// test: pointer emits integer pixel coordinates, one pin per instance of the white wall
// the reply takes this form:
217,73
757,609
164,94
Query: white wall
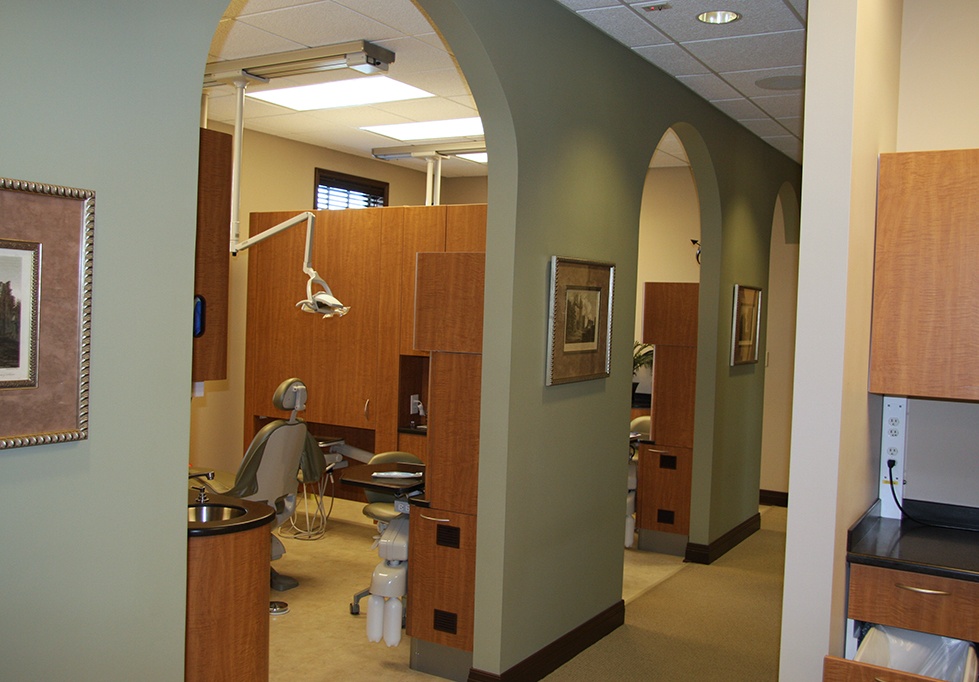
850,113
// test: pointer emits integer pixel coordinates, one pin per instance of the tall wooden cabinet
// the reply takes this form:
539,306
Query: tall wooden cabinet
211,257
666,463
359,369
449,325
925,328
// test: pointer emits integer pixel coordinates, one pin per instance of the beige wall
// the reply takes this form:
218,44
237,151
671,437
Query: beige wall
277,175
780,297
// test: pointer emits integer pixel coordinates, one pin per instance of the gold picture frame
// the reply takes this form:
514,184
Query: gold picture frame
579,330
47,236
745,325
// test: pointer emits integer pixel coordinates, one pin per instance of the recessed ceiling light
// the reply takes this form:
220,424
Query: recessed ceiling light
430,130
346,93
721,16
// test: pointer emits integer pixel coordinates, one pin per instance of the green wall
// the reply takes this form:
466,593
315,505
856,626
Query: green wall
105,96
571,122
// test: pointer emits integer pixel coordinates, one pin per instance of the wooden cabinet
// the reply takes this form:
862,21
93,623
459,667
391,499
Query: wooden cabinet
663,493
210,361
914,601
442,556
354,366
904,599
925,328
665,469
448,325
336,357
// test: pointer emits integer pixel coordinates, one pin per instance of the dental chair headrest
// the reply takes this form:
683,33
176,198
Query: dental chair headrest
290,395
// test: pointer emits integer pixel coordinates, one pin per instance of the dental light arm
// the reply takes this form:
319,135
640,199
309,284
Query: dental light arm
322,302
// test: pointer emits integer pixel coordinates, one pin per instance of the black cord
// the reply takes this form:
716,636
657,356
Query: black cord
890,472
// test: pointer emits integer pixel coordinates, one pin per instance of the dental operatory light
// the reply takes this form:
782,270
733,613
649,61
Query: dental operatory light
319,298
345,93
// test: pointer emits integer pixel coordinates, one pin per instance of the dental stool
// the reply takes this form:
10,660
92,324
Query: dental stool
389,584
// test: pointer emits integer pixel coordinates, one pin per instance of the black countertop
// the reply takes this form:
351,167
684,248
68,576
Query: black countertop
910,546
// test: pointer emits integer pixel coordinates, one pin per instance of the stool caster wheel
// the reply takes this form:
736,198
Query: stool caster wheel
354,609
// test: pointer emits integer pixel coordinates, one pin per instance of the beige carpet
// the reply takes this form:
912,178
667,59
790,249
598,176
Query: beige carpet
717,622
319,640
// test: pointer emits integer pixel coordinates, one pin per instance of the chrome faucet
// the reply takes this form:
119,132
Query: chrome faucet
201,490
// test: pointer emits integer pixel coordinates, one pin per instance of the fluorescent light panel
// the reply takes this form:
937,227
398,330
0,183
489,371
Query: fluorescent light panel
431,130
479,157
346,93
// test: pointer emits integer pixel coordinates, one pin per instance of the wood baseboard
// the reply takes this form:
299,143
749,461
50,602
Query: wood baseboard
773,498
545,661
707,554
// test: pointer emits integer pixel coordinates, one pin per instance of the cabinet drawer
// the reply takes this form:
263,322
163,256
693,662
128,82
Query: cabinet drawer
915,601
841,670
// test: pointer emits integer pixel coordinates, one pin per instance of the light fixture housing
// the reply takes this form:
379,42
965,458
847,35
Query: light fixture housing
359,55
721,16
442,148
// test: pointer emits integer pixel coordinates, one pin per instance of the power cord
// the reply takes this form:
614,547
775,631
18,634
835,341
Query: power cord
891,463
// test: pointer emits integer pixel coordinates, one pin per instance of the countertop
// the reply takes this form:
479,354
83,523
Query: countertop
910,546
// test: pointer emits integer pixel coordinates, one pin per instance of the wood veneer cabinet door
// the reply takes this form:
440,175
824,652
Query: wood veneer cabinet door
674,395
336,357
442,577
925,328
449,302
663,493
465,227
670,313
211,255
424,231
453,431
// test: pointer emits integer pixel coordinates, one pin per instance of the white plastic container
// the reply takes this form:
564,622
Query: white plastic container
942,658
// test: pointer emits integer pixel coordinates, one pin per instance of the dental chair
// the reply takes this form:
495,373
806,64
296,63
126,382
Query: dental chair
389,583
269,470
643,427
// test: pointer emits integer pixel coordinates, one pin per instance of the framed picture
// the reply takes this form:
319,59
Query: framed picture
46,242
579,328
745,325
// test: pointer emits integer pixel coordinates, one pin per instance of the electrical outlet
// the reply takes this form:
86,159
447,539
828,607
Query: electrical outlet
893,439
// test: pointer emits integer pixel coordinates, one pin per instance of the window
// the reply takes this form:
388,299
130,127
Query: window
338,190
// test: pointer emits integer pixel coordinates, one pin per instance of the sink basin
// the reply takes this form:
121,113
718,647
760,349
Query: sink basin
206,513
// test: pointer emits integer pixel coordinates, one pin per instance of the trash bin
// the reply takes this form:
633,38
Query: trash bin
942,658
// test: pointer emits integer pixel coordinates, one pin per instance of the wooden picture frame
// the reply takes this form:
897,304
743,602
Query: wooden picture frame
579,330
745,325
46,245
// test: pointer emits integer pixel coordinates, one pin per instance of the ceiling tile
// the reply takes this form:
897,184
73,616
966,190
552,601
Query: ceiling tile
781,105
322,23
680,23
745,81
412,55
672,58
403,17
764,126
709,86
625,26
790,146
739,108
236,40
793,124
770,50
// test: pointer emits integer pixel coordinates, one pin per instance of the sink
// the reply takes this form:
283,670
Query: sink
206,513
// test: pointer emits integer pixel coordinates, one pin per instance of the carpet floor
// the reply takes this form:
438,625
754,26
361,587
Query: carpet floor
683,621
716,622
